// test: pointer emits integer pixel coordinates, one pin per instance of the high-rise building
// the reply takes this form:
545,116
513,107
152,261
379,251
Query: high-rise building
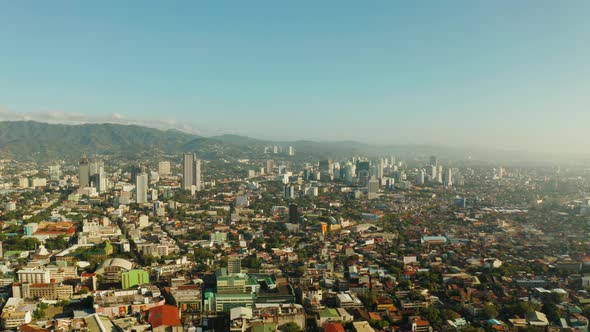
380,168
289,192
432,172
326,168
164,168
191,172
54,172
420,178
101,180
270,166
95,164
336,171
141,188
372,188
439,174
84,173
448,178
349,171
291,151
294,213
96,176
234,265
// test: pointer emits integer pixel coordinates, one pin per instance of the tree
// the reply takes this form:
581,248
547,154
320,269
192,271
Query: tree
490,311
289,327
251,262
432,315
449,314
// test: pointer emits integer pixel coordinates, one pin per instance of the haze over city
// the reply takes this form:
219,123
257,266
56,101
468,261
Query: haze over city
462,73
294,166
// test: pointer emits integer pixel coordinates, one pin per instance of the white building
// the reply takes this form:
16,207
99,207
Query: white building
141,188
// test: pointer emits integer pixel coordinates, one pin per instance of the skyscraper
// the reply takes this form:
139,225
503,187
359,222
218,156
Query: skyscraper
420,178
54,172
96,174
448,178
380,167
141,188
289,192
326,168
270,166
294,214
191,172
84,173
372,188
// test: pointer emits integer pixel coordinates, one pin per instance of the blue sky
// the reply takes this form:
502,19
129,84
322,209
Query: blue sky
507,74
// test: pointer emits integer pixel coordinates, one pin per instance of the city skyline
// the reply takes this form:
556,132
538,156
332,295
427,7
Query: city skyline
467,74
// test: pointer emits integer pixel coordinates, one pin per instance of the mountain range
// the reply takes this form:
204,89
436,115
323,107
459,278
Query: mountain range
30,140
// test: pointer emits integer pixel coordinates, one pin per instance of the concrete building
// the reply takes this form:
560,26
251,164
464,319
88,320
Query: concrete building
191,172
164,168
134,278
84,173
34,276
141,188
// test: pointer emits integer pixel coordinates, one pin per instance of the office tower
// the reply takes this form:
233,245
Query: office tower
372,188
448,178
433,161
326,168
390,184
363,166
141,188
307,174
275,149
432,172
101,180
84,173
439,174
92,174
54,173
349,172
95,164
234,265
191,172
380,167
270,166
336,171
420,178
294,217
289,192
164,168
291,151
364,176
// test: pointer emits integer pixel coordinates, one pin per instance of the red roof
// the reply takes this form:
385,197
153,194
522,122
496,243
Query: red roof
164,315
333,327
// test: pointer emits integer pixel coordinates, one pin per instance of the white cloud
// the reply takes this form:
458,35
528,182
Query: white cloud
71,118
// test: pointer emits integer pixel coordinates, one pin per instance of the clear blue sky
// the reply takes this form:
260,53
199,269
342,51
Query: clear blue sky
509,74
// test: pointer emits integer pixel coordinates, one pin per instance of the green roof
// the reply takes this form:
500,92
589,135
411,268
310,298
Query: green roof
329,312
243,296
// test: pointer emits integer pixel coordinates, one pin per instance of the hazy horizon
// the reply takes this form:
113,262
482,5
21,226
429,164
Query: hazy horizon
507,76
